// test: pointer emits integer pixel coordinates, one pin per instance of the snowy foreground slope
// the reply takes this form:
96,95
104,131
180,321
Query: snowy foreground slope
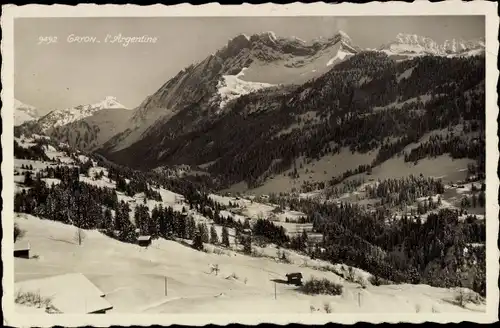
133,278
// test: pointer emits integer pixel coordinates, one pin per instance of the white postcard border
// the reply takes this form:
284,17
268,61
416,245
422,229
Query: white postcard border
489,9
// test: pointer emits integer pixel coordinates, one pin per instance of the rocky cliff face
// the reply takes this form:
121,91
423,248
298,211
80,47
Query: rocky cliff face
245,64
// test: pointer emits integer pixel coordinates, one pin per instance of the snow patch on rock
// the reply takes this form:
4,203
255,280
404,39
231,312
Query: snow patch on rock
232,87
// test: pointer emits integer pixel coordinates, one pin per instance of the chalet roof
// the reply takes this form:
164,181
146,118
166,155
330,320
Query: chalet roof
22,245
69,293
144,238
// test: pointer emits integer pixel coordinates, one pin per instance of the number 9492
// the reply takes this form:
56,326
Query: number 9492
47,39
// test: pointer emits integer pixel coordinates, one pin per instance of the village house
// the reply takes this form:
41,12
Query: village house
22,249
294,278
144,241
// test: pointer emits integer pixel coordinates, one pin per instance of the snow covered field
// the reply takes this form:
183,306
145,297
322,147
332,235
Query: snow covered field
133,278
256,210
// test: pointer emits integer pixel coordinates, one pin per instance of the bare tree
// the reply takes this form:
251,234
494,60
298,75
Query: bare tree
327,307
215,268
79,236
18,233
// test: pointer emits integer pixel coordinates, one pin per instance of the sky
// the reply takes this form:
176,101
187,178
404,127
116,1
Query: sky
64,74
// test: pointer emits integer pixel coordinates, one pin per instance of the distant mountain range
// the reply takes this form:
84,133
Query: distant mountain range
82,126
414,45
65,116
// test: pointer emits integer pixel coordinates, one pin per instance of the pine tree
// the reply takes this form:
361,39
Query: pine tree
304,240
225,237
197,241
214,238
205,237
190,228
465,203
237,235
481,199
108,220
154,223
28,180
247,245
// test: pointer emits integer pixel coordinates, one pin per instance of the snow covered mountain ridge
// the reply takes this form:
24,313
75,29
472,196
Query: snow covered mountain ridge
24,113
65,116
421,45
246,64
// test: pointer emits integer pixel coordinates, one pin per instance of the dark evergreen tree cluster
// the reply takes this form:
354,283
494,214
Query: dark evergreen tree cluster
456,146
404,191
270,231
403,250
35,152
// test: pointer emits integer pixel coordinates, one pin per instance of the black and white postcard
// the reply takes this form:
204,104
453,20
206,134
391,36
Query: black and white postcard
303,163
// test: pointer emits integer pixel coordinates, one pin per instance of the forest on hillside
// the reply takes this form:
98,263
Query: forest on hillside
360,104
414,249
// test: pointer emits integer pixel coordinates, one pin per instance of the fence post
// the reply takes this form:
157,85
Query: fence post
274,290
166,287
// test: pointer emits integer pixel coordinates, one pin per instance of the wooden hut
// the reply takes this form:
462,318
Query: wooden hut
144,241
22,249
294,278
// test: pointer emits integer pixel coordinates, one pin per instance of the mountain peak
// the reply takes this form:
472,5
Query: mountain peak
343,34
24,112
270,35
20,104
68,115
109,102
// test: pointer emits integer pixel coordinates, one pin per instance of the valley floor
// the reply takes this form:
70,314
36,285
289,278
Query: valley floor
133,278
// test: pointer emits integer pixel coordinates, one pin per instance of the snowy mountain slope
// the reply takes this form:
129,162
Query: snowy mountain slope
65,116
133,278
232,86
266,60
92,131
24,113
240,281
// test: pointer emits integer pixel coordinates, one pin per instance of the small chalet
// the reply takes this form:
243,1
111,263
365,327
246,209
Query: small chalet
69,293
294,278
22,249
247,232
144,241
